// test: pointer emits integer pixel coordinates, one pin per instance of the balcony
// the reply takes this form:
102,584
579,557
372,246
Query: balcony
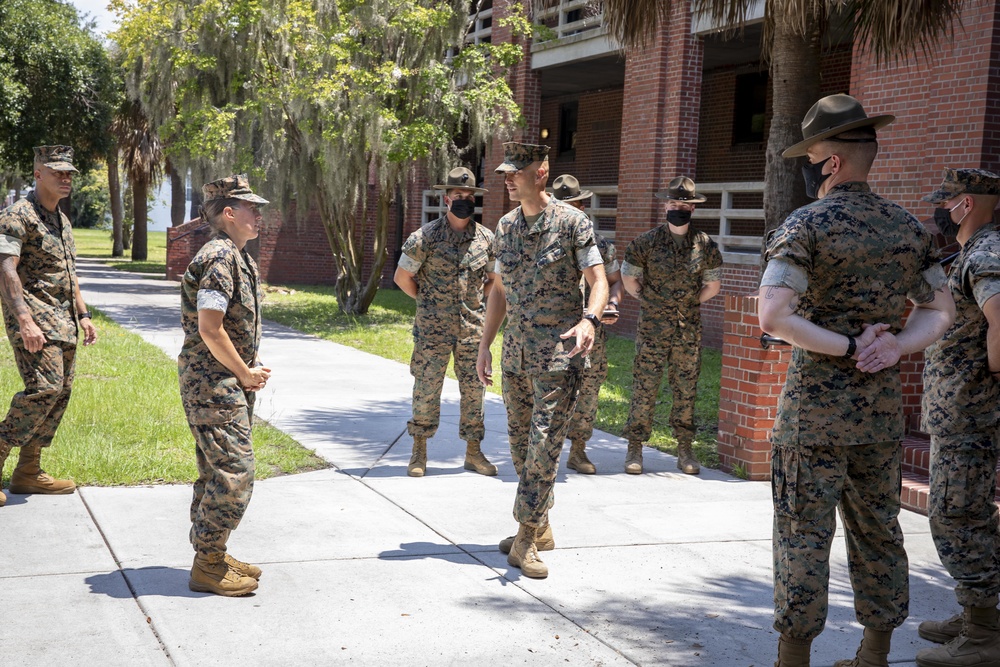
573,31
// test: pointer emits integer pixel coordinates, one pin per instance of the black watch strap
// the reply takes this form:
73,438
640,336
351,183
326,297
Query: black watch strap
593,319
852,346
84,316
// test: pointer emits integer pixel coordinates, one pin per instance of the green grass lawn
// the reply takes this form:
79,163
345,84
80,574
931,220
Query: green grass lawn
98,243
125,424
386,331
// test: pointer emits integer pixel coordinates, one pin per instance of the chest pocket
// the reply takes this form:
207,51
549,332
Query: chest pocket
475,261
551,255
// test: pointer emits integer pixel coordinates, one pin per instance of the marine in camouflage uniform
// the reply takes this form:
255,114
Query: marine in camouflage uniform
674,269
960,409
448,267
566,188
835,441
541,256
42,308
217,390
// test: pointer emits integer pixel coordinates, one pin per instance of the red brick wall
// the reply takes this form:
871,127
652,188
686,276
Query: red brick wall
598,139
660,131
946,109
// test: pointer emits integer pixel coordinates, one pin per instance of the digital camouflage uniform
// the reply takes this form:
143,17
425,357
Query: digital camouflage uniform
581,426
541,266
450,270
669,330
835,441
219,410
960,409
47,268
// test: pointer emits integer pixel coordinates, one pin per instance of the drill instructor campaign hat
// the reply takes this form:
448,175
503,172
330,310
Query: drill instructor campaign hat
462,178
567,188
831,116
682,189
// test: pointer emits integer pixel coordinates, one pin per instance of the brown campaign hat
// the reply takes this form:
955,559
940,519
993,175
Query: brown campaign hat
831,116
682,189
59,158
232,187
964,182
517,156
567,188
460,177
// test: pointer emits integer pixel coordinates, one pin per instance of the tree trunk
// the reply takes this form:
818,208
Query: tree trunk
195,203
141,213
177,196
795,76
117,213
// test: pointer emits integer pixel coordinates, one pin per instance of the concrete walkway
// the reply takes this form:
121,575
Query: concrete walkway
364,565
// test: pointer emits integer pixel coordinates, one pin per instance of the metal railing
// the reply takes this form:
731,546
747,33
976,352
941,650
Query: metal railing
570,17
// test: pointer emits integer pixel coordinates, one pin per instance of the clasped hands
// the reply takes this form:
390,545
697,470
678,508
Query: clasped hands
878,348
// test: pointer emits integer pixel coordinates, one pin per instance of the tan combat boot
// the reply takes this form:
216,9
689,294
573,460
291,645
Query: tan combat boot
686,462
418,460
941,632
633,459
543,540
978,645
524,555
793,652
476,461
211,574
241,568
873,652
28,476
578,460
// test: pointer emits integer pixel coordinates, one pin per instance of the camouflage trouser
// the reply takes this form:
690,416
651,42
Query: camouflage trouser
807,484
682,355
428,367
963,516
582,425
225,472
539,408
35,413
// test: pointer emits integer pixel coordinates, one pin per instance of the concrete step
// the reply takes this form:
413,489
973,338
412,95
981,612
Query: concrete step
916,467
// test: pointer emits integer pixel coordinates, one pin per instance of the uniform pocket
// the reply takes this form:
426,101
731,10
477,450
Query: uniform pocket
551,256
212,414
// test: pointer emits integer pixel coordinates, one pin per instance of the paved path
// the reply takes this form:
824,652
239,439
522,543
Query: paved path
364,565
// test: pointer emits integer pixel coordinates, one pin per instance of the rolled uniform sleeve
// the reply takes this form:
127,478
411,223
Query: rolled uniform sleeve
713,264
635,259
210,299
11,233
789,257
631,270
984,277
932,276
217,278
413,253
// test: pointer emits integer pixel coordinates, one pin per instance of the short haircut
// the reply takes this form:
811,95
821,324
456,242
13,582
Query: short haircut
857,147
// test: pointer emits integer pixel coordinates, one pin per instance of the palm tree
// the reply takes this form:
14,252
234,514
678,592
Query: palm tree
793,34
142,160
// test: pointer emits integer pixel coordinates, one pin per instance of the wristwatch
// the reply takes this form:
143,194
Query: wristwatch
83,316
593,319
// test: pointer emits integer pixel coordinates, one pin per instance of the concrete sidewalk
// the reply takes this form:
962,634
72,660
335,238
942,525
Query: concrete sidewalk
367,566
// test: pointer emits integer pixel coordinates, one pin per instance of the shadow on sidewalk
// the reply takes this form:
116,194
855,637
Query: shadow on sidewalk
145,582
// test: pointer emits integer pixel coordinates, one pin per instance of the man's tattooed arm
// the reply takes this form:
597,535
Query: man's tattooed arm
11,290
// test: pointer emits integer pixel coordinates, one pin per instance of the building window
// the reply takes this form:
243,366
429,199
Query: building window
568,114
749,108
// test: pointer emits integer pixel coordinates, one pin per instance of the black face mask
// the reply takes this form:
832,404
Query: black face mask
814,177
942,218
678,217
463,208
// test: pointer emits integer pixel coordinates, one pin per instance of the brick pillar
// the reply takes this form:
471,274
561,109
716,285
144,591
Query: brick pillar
660,116
526,85
752,378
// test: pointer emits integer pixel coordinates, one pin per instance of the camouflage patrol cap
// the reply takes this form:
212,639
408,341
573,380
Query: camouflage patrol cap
682,189
232,187
964,182
517,156
462,178
58,158
567,188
